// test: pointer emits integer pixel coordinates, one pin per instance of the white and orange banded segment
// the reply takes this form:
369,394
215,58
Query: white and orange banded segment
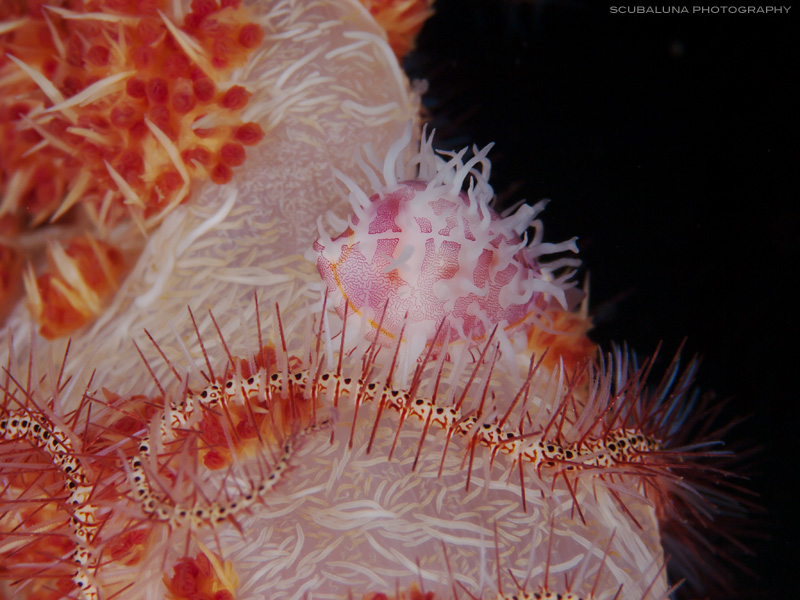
36,428
616,446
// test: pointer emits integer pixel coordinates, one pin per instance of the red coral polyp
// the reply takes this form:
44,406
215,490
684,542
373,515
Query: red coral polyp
197,579
58,155
83,275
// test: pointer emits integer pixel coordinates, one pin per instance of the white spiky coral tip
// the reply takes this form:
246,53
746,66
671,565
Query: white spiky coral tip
422,251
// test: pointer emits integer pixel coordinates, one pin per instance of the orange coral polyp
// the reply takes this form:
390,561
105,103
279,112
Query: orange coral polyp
57,317
128,547
198,577
566,340
242,425
142,92
10,274
60,303
401,19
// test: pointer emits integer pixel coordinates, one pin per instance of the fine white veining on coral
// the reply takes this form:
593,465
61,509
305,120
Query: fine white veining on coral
319,96
343,520
358,507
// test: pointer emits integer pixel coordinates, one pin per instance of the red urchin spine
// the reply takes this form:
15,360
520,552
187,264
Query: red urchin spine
624,430
625,433
149,475
32,425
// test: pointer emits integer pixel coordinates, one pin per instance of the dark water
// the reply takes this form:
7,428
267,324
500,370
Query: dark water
669,145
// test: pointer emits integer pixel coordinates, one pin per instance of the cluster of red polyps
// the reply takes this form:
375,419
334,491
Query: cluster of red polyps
111,109
198,579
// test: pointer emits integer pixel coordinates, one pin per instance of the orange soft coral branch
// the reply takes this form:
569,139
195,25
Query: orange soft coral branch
104,113
83,276
401,19
117,99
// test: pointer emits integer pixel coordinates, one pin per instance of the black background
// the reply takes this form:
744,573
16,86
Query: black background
667,144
